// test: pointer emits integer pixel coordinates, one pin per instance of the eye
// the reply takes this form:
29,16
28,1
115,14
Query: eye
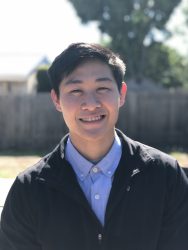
76,91
103,89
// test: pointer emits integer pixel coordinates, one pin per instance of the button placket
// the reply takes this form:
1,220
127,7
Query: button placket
99,236
94,173
95,170
97,196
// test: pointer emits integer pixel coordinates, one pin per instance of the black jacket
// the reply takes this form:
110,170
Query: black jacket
147,208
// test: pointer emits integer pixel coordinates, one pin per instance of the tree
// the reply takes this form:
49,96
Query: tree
166,66
43,82
185,11
133,27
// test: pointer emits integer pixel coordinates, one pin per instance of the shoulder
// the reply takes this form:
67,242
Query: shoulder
26,186
144,152
162,163
44,167
157,156
32,172
152,159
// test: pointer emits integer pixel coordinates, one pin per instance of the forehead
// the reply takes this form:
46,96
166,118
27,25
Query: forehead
91,67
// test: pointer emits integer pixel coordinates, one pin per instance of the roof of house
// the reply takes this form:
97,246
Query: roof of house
18,67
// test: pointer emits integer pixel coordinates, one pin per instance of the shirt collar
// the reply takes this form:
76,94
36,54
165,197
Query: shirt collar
82,166
110,161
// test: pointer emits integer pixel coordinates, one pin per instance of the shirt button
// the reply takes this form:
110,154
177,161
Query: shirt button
95,169
99,237
97,196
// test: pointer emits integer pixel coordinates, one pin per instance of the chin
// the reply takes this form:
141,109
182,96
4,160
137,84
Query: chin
95,135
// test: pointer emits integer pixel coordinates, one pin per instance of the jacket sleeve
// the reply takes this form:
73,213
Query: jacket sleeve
17,225
174,230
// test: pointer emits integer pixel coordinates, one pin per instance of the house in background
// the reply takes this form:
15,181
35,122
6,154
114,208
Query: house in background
18,73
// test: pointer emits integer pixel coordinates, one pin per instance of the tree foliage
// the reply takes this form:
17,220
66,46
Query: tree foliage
43,82
132,26
166,66
185,12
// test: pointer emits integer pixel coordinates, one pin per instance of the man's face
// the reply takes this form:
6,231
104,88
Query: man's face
89,101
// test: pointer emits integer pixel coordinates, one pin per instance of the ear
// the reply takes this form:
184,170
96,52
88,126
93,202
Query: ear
123,92
56,100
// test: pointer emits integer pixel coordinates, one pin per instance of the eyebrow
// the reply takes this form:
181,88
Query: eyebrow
71,81
77,81
104,79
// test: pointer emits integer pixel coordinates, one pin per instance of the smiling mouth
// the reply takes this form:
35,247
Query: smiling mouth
92,119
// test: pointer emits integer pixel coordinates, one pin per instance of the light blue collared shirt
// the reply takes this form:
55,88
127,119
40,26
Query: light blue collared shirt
95,179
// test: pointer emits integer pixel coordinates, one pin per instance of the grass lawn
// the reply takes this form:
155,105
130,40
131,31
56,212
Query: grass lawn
12,164
182,158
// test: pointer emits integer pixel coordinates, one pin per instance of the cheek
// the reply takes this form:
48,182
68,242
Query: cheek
69,103
69,108
112,102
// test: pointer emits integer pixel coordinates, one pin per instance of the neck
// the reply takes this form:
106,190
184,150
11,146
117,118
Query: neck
93,150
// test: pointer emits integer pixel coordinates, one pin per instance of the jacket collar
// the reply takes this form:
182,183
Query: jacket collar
134,149
56,172
54,167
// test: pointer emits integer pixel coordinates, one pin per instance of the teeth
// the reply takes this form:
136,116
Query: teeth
92,119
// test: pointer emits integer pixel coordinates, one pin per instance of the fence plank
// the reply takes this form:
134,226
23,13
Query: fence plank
31,122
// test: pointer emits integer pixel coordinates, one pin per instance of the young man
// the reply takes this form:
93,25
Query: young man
98,189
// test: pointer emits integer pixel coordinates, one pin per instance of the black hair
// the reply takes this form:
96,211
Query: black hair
76,54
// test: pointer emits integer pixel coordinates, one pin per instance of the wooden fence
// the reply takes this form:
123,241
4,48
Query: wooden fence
31,122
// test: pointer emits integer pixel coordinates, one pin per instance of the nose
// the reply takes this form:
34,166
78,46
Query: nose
90,102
